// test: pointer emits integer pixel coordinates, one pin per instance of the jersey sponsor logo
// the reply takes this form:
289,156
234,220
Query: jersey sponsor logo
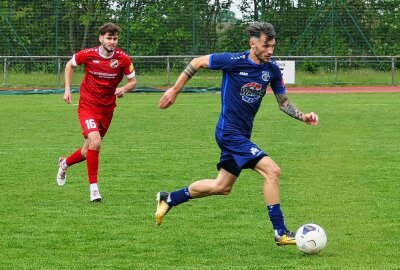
104,75
96,61
114,63
252,92
265,76
243,73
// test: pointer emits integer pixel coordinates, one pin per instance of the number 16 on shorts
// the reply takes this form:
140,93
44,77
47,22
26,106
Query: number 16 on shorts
90,124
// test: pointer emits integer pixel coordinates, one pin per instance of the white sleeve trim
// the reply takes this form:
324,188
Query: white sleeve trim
132,75
74,61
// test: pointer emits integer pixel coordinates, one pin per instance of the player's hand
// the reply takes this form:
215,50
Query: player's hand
119,92
67,96
168,98
311,119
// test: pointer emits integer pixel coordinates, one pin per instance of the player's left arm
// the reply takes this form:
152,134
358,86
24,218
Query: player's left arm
131,84
290,109
130,73
171,93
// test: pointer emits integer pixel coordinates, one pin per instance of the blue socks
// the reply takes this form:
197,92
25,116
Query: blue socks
179,196
274,211
276,217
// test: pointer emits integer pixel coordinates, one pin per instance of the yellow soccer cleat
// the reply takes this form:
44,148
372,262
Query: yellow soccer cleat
287,238
162,206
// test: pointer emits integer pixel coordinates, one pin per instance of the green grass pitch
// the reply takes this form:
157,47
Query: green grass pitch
343,175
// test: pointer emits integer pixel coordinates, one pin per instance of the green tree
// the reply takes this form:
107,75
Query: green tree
172,27
83,19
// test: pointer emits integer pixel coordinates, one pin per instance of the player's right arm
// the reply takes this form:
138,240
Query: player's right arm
170,95
68,74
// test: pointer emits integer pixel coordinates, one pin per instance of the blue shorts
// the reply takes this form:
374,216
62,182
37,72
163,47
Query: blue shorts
237,153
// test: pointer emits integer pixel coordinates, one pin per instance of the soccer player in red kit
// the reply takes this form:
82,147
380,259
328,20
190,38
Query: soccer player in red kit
105,67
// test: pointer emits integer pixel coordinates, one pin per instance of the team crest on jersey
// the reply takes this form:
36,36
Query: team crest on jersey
114,63
252,92
265,76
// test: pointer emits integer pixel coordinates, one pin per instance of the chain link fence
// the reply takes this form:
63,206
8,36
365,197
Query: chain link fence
161,71
329,38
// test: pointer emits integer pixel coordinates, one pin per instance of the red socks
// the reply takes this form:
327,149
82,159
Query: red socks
76,157
92,162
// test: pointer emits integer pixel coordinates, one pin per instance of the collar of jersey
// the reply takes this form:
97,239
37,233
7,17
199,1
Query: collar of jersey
105,56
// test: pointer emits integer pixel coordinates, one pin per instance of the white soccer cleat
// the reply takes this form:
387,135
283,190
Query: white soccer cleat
95,196
62,173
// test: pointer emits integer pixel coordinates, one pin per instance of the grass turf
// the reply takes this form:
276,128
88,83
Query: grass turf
342,175
204,78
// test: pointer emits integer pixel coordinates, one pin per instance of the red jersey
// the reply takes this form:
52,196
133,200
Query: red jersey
102,76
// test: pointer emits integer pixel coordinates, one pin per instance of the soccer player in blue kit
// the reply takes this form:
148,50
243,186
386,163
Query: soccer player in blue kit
246,76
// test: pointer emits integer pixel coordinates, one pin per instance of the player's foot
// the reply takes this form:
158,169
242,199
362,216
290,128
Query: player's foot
162,206
286,238
62,173
95,196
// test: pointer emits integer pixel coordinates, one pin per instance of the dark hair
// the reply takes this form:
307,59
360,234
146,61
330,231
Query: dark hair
256,29
111,28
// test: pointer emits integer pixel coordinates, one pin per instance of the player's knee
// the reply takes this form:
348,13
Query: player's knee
223,190
276,171
272,177
226,191
95,143
273,171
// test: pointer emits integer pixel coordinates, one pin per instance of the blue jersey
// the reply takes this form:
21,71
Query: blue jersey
244,84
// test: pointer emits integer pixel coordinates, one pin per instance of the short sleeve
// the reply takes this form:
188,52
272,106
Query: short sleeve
129,69
277,84
79,58
221,61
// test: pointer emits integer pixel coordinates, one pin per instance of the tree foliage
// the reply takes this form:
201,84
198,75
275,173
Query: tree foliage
183,27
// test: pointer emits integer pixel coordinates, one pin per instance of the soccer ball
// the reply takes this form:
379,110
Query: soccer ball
311,238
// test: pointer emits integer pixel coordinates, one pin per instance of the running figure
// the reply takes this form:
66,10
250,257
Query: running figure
105,67
246,76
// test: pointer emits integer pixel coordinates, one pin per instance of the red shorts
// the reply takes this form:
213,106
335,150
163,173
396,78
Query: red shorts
91,120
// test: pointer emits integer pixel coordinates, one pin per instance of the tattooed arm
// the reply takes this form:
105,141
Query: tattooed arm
290,109
170,95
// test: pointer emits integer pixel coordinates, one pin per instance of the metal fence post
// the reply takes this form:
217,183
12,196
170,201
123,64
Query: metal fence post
5,71
392,70
168,71
336,70
59,71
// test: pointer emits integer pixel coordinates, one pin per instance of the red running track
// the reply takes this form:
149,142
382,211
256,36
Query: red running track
344,89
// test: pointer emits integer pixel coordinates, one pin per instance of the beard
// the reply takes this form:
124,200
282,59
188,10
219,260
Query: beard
260,57
107,50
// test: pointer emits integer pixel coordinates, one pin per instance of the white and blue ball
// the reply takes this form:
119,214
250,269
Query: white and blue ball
311,238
